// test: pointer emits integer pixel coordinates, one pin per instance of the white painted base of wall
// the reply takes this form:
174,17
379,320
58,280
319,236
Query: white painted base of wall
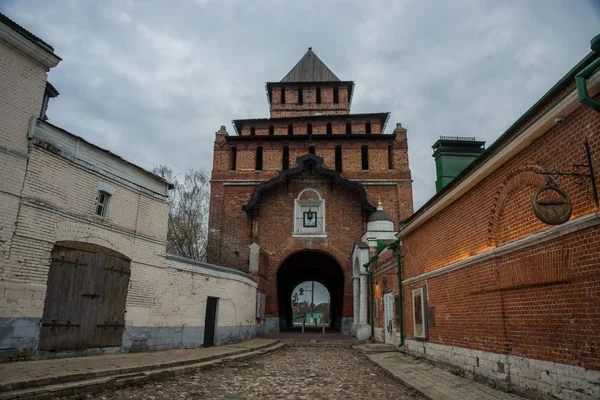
363,331
525,376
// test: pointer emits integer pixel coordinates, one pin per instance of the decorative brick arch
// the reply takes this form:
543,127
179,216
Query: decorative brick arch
75,231
516,179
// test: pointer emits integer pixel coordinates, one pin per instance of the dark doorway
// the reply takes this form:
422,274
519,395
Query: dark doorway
85,298
210,321
309,266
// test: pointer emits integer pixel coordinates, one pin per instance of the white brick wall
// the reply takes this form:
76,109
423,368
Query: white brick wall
48,191
176,296
22,85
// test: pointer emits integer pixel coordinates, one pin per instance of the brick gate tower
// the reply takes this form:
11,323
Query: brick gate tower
293,196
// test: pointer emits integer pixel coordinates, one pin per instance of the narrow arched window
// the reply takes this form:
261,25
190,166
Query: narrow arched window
318,95
233,158
290,129
282,95
309,129
336,95
300,96
311,149
390,157
368,128
329,128
338,158
259,159
348,128
364,155
252,131
285,159
271,130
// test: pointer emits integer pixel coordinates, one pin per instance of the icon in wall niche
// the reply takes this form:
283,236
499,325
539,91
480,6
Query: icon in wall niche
551,208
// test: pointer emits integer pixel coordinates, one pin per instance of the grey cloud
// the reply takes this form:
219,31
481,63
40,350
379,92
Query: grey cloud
152,81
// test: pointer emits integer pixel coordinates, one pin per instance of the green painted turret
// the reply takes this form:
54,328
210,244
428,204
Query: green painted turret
452,155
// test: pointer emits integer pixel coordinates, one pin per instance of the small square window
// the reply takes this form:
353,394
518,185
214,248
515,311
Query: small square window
310,219
102,204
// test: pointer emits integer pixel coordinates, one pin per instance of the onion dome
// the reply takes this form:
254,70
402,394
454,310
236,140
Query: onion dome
380,220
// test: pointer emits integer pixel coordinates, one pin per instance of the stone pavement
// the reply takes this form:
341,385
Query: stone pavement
25,374
434,382
292,373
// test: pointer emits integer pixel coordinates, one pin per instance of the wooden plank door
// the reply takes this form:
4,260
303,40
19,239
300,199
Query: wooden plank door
210,321
63,322
110,320
85,300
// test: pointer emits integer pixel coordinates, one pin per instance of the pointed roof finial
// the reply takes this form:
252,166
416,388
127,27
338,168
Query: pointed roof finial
379,205
310,49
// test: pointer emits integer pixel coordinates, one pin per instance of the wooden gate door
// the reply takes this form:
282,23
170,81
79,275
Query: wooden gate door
210,321
85,299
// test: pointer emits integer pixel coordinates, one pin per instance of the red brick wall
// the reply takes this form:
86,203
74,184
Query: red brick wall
538,302
319,126
229,226
291,108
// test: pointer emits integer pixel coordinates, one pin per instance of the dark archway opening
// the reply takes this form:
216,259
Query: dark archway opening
309,266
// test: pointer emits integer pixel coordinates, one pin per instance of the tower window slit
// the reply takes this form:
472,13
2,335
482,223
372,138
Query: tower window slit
390,157
309,129
318,95
290,129
285,159
233,158
311,150
368,128
259,158
336,95
329,129
271,130
364,155
348,128
338,158
300,96
282,95
252,131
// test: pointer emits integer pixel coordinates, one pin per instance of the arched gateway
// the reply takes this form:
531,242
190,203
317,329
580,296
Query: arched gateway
292,195
309,266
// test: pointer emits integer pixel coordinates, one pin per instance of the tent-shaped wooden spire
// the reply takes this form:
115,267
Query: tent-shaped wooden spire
310,68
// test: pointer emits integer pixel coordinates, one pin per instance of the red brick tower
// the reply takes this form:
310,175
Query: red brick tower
291,194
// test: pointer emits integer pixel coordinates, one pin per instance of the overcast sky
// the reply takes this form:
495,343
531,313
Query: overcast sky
154,80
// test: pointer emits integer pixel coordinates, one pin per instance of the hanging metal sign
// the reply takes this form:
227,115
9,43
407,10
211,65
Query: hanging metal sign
552,211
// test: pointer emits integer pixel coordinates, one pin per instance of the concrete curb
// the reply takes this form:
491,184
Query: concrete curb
125,377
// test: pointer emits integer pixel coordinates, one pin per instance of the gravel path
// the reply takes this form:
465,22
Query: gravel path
290,373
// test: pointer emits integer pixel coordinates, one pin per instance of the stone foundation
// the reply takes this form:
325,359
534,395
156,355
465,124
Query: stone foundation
525,376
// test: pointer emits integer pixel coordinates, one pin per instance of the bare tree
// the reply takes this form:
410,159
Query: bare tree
188,216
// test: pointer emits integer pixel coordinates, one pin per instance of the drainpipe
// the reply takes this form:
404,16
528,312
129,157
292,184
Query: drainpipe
586,73
398,255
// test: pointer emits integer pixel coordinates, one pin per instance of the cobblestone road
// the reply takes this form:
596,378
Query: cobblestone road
290,373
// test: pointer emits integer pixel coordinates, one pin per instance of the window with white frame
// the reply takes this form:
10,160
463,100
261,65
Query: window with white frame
102,204
309,214
419,303
105,192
